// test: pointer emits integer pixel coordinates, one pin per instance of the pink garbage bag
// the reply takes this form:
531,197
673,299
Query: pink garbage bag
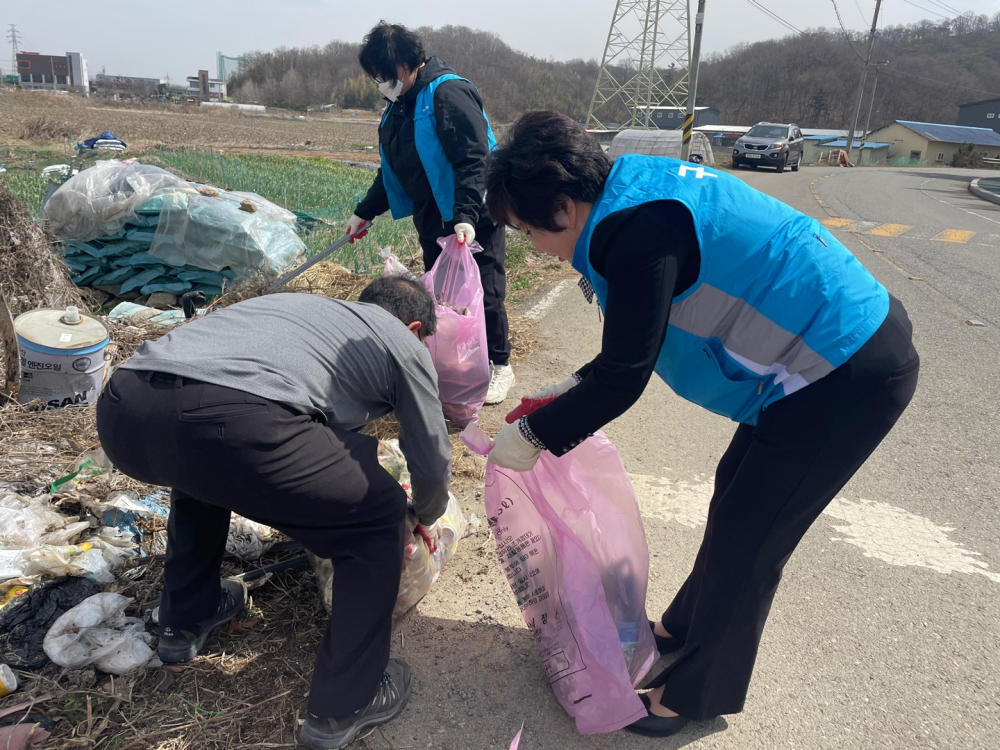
573,548
458,347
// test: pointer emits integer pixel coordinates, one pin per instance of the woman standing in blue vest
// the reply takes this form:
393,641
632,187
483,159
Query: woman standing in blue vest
742,305
434,141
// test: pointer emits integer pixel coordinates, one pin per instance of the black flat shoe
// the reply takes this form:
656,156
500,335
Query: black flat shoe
665,644
656,726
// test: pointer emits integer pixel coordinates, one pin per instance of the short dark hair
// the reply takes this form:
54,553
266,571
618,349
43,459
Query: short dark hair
545,159
388,46
404,298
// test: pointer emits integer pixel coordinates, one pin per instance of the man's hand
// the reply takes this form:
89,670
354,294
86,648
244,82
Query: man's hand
465,233
431,536
511,450
354,224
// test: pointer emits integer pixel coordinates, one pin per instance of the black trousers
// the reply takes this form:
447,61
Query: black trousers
772,483
223,450
494,277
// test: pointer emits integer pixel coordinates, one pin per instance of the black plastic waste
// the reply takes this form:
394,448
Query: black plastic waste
25,621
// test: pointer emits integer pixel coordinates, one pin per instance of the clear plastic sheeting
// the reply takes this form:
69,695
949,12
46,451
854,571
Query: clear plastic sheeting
215,229
99,201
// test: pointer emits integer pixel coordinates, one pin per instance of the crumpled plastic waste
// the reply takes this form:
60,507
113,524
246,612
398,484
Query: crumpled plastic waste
421,567
393,267
247,539
25,620
31,521
97,631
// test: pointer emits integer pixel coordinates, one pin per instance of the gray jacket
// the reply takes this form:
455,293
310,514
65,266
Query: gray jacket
347,361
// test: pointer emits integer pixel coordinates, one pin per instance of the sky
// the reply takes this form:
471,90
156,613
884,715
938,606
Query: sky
153,39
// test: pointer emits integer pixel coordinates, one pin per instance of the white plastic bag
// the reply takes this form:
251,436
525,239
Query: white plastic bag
31,521
248,540
96,631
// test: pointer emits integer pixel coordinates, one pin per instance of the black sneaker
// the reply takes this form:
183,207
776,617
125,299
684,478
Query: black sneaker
390,697
179,647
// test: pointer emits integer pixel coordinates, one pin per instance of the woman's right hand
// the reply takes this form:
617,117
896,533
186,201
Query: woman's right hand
354,224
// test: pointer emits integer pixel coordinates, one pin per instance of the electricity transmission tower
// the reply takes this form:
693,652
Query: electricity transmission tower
15,39
646,63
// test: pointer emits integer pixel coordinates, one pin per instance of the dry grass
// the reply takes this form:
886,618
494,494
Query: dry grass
44,128
30,274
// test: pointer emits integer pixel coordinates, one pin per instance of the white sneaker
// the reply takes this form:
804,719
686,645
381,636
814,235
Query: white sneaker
501,380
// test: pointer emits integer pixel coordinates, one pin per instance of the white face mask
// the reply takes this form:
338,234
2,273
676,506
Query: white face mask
391,89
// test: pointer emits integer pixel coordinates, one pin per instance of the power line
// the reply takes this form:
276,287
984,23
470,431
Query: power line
847,34
927,10
861,13
774,16
947,7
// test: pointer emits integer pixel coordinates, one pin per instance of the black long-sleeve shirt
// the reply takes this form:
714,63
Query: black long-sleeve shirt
462,130
649,254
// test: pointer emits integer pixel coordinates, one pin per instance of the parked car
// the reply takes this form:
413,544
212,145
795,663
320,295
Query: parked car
770,144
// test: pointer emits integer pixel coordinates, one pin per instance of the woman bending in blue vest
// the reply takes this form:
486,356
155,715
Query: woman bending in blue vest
742,305
434,141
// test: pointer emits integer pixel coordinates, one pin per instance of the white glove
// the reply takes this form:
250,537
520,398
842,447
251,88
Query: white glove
512,451
353,225
465,233
556,389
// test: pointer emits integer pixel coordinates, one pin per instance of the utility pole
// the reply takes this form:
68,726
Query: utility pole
868,122
15,39
864,78
699,22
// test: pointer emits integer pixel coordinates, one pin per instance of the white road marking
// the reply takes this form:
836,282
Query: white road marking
882,531
899,537
667,499
953,205
545,303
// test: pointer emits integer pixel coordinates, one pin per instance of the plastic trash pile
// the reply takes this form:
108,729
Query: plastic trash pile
134,230
421,564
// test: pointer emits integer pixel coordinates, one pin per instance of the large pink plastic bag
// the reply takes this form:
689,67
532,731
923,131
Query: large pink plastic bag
458,347
573,548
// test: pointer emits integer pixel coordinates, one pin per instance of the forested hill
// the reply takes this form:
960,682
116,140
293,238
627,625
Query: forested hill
811,79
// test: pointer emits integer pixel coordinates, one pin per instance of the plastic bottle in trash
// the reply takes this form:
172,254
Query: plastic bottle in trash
8,680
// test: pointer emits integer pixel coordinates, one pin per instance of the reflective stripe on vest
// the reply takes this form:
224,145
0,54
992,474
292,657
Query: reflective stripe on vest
439,171
778,303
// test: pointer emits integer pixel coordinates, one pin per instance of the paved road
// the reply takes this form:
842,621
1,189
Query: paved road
884,633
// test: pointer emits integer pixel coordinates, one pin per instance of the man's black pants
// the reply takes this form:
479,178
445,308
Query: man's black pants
493,274
223,450
772,483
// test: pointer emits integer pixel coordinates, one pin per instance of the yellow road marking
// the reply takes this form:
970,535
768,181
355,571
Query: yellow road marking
890,230
955,235
835,223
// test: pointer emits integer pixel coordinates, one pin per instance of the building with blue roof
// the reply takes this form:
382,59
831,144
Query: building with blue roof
934,144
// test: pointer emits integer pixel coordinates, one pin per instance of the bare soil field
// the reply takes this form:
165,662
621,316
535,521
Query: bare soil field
35,118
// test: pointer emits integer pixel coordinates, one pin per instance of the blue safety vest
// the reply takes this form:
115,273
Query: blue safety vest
436,165
778,303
